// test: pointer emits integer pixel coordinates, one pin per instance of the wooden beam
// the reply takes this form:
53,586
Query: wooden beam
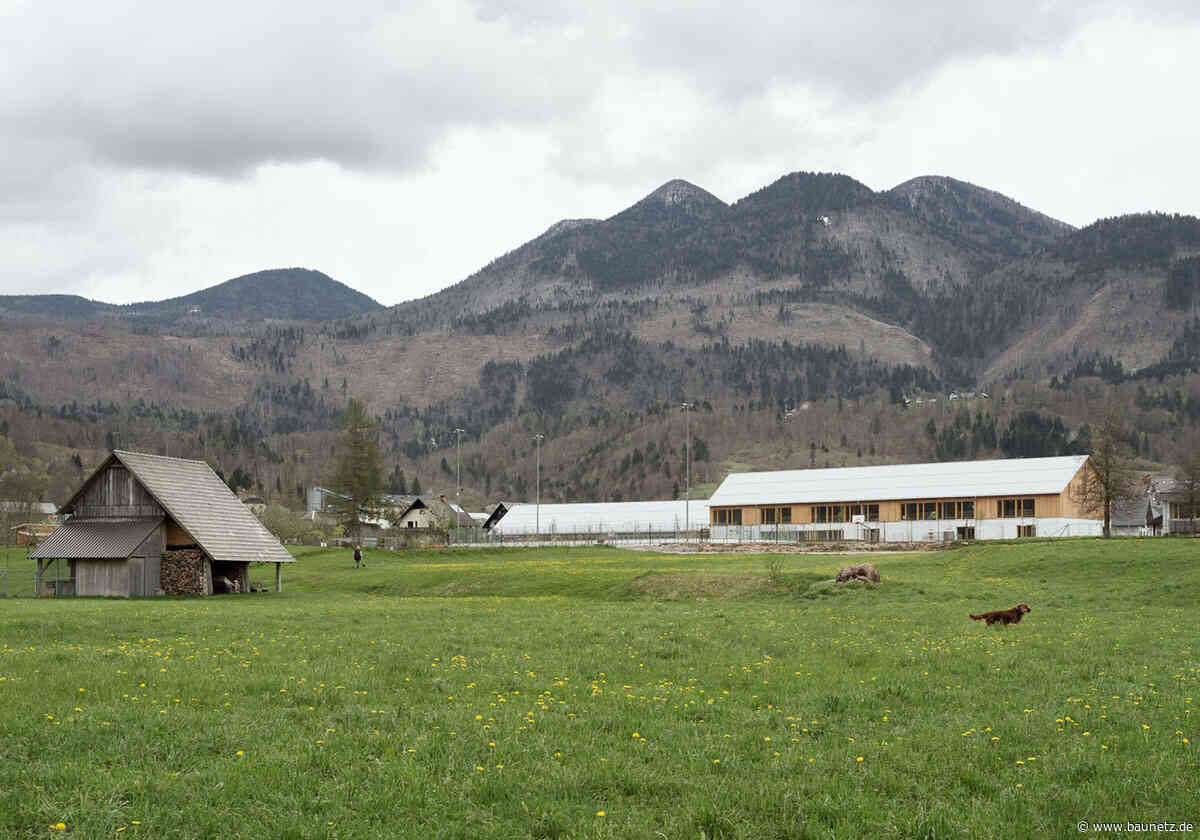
278,577
37,581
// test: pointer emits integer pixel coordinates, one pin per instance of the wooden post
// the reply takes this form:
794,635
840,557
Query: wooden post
37,581
278,577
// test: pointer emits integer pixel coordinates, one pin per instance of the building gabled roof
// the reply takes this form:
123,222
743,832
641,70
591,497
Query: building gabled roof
948,479
101,539
201,504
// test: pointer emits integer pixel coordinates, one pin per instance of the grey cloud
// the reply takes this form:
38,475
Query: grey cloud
856,49
221,87
222,91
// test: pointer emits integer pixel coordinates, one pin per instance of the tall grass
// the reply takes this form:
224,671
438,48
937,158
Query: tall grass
545,693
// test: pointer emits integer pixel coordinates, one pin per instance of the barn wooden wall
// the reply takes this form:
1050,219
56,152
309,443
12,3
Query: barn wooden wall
115,494
102,577
145,566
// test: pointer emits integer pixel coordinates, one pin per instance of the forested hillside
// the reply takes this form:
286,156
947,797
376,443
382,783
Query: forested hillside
814,322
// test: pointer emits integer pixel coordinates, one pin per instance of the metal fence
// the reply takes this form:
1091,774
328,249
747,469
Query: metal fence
17,573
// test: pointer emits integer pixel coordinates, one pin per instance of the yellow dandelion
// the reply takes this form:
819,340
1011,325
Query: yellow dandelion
600,813
635,735
859,759
240,752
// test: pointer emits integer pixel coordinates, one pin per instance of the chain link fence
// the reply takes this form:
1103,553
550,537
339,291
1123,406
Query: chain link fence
17,572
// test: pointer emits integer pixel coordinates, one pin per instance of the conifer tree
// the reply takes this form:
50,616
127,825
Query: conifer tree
358,470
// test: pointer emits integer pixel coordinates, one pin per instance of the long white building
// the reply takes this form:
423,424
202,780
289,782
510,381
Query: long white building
656,519
1000,499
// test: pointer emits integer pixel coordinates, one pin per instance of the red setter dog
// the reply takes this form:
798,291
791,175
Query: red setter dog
1006,617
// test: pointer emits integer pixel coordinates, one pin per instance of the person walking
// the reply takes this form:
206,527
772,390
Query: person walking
358,558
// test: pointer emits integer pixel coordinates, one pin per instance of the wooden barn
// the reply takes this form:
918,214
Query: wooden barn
152,525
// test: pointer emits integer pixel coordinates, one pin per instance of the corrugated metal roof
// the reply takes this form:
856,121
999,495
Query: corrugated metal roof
603,517
203,506
950,479
102,539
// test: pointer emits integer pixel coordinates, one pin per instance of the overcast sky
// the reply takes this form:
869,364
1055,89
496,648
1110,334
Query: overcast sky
148,150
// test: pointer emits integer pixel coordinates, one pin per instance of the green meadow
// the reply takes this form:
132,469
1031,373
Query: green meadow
595,692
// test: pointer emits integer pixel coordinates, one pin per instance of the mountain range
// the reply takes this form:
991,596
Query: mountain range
797,320
288,294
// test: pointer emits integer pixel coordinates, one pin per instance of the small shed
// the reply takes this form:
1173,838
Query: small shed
152,525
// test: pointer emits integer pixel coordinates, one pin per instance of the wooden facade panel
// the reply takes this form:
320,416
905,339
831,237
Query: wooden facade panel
116,494
105,578
177,537
1046,506
1072,499
150,553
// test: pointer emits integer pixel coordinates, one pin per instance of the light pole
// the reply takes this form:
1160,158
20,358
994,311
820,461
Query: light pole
458,493
687,462
537,484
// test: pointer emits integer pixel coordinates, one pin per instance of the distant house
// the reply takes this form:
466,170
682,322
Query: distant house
1141,515
150,525
28,523
31,533
433,512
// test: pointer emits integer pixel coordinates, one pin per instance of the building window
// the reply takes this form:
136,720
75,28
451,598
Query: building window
777,516
956,510
1014,508
728,517
910,510
966,532
869,512
1182,510
831,513
1026,530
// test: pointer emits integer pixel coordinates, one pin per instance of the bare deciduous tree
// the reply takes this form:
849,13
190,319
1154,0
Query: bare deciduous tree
1187,487
1112,478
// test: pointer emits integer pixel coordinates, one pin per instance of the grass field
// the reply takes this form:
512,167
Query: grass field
605,693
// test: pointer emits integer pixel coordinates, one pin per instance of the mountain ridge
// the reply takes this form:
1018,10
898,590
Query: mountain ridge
278,294
796,319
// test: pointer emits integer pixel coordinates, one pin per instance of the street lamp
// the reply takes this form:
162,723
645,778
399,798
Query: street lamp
687,461
537,485
458,494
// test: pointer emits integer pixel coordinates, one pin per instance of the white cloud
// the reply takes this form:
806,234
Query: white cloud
151,150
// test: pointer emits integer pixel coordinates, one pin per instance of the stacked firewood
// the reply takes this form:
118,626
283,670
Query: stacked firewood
182,572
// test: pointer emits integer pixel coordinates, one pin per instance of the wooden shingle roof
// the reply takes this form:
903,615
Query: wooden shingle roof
200,503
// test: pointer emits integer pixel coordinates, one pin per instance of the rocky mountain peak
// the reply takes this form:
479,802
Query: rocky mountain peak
680,192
